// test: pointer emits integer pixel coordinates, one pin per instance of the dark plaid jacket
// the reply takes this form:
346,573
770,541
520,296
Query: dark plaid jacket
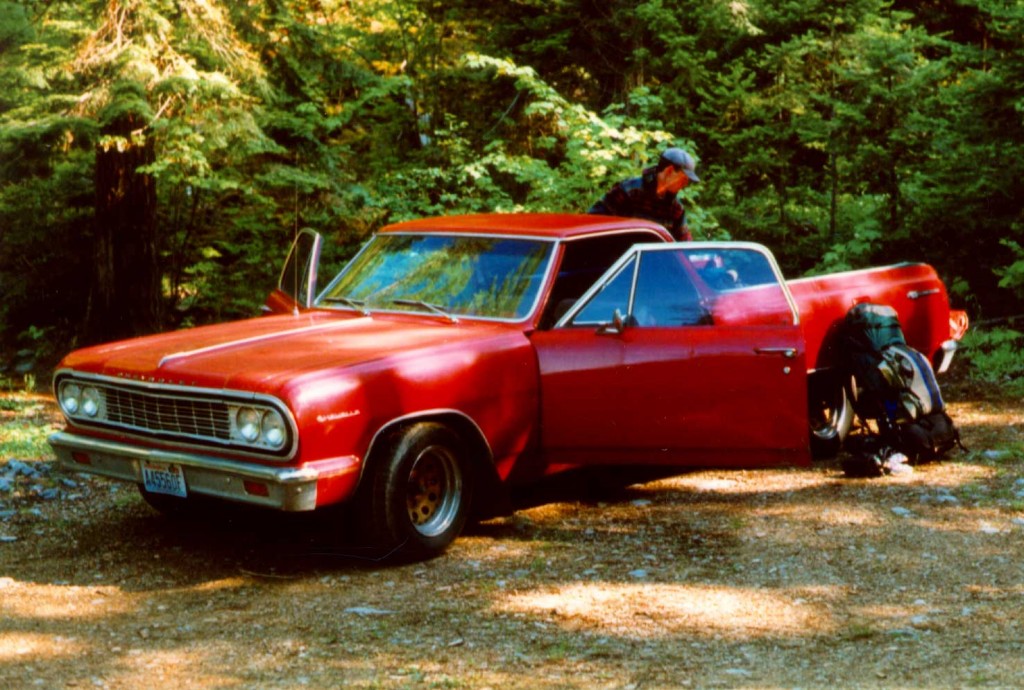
638,197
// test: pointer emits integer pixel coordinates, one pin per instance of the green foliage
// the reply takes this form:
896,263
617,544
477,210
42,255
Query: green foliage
570,157
996,356
1012,276
866,233
840,134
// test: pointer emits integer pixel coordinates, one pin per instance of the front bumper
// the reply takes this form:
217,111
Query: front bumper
282,488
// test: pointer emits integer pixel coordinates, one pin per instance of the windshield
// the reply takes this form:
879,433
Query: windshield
486,277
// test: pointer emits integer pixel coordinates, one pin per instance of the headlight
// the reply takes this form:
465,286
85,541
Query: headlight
70,398
260,426
78,400
248,423
91,401
273,429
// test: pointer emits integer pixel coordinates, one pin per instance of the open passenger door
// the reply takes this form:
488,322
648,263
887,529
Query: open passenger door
681,354
296,289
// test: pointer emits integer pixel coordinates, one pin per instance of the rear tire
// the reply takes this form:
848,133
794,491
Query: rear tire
830,413
417,491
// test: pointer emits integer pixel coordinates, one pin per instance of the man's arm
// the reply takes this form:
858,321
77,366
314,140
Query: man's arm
679,229
614,203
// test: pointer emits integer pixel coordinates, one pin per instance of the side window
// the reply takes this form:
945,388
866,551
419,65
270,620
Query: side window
584,261
673,286
298,277
665,294
742,286
732,269
614,295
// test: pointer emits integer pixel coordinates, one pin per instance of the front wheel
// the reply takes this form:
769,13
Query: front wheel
417,493
830,414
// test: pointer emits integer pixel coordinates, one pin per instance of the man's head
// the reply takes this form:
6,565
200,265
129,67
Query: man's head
676,169
680,160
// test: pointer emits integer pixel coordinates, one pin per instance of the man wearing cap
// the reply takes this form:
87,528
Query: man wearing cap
653,195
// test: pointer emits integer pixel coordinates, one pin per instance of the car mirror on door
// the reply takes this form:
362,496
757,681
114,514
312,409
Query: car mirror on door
615,326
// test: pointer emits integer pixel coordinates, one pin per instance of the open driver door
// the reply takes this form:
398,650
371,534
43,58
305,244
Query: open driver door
296,288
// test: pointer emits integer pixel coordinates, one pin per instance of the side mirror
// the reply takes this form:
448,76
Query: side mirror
615,327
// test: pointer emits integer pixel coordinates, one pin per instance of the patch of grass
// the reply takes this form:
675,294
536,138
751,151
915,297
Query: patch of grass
25,423
859,630
558,651
23,440
1002,489
28,383
412,673
121,498
1010,454
978,680
539,564
11,405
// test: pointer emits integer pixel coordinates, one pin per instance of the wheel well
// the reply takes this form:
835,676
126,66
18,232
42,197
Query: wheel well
830,377
477,447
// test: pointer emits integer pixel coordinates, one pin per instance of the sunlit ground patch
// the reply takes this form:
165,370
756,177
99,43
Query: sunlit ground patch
59,602
179,667
653,610
22,646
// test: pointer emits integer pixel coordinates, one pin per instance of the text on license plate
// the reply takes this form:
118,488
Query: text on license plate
162,478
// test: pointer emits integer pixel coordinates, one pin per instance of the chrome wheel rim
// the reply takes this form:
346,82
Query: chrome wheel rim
434,491
826,414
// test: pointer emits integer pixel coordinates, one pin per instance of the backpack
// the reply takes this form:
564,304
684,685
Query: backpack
865,333
895,384
924,430
910,376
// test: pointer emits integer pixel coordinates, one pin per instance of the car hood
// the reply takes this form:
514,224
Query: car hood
262,354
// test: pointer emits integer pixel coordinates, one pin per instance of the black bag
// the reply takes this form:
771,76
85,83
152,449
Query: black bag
864,457
869,456
929,437
895,385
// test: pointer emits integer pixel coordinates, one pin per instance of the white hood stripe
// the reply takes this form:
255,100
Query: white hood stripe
258,338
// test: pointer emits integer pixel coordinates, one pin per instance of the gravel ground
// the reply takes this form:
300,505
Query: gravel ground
746,579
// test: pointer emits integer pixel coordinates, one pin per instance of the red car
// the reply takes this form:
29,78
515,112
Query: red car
453,357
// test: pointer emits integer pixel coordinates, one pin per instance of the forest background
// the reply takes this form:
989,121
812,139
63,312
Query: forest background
157,156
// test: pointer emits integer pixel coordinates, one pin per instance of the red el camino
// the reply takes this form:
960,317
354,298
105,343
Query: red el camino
454,357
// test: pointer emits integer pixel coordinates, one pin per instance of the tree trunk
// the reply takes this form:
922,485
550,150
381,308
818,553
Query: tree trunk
125,299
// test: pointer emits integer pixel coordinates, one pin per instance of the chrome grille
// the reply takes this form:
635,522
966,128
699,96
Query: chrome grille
179,413
162,413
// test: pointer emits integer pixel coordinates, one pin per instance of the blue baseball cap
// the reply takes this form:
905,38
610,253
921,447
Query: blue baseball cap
680,159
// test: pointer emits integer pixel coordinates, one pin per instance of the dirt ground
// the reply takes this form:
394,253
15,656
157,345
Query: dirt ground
747,579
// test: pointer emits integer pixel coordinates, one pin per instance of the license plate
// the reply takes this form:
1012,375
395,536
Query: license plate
160,478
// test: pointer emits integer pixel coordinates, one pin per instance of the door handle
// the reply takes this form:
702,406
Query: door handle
918,294
787,352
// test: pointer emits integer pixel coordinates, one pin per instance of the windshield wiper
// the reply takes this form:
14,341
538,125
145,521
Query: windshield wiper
357,304
441,311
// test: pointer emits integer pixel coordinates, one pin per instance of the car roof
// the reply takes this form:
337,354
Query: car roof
541,225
